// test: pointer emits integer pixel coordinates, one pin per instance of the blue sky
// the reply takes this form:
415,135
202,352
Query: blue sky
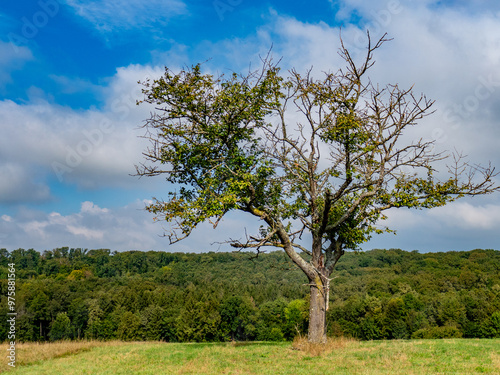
69,124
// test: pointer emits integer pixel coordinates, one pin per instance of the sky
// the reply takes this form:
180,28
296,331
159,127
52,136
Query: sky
70,127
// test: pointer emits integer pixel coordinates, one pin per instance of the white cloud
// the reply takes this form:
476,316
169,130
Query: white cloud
12,58
91,227
91,208
457,226
18,184
72,85
89,234
466,216
445,52
90,148
116,15
450,56
121,228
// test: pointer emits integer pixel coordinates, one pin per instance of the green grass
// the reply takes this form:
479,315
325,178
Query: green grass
452,356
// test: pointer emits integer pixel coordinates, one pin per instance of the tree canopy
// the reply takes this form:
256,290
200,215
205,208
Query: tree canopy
70,293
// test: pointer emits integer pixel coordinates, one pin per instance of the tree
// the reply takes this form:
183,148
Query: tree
38,308
129,328
323,156
61,328
152,320
235,315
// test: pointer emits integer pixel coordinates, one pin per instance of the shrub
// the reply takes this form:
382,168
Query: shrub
445,332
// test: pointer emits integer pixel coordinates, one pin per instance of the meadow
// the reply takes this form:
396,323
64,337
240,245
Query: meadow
340,356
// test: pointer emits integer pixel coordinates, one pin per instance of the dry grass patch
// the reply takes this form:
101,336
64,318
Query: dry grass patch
316,350
33,352
495,360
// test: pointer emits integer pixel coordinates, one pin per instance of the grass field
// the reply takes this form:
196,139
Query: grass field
342,356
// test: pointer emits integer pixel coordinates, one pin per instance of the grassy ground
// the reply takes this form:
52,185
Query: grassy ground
454,356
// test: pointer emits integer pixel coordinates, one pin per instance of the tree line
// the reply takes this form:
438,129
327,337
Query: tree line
73,293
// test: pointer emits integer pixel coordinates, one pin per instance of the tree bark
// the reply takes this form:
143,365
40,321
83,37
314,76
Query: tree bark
317,312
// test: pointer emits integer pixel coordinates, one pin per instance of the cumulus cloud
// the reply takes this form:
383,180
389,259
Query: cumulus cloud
91,227
91,208
122,228
466,216
446,53
457,226
90,148
452,57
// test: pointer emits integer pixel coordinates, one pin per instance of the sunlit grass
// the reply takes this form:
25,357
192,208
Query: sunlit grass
339,356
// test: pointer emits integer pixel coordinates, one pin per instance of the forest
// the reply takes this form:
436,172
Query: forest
74,293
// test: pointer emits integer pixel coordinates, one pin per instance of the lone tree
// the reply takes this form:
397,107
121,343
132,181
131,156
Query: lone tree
323,156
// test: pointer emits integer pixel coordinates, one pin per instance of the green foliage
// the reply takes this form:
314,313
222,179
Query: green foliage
208,138
379,294
331,169
61,328
129,328
272,317
490,327
153,322
199,321
297,318
238,318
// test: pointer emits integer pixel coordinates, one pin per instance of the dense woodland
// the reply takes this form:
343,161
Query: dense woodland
380,294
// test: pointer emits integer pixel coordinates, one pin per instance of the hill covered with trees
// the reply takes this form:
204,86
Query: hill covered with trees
134,295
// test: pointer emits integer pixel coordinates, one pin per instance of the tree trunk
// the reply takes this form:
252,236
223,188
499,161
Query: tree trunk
317,312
